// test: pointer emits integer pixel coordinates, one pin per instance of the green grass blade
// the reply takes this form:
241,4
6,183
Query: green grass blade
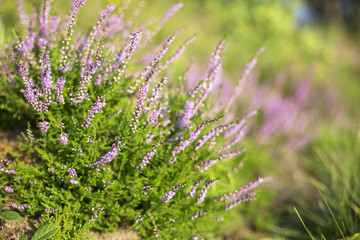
332,215
307,230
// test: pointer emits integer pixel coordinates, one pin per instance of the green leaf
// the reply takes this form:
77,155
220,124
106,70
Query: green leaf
24,237
1,207
45,232
10,216
355,237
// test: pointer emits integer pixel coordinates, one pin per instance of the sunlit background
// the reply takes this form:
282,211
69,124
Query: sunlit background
307,87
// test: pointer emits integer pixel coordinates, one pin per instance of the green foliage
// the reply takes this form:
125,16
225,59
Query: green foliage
334,166
10,216
24,237
45,232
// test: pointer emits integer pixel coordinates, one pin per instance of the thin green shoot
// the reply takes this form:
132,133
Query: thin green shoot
307,230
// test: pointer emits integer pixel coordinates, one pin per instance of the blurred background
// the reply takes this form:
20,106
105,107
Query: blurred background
307,86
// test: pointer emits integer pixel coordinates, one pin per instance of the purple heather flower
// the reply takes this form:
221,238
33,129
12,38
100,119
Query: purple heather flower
239,201
65,48
51,170
98,105
126,54
236,127
21,11
177,54
10,171
212,133
53,25
242,192
96,30
204,191
30,39
46,79
146,159
198,214
20,207
60,83
63,138
146,189
44,126
149,136
166,16
50,210
207,164
188,113
9,189
72,172
154,115
109,156
168,196
243,78
138,218
32,181
219,219
155,93
86,75
147,75
73,181
32,93
205,85
44,22
193,188
177,187
88,189
193,136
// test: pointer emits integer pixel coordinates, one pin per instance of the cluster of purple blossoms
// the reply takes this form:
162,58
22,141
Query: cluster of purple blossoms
193,136
50,210
20,207
147,75
32,181
8,189
204,191
95,210
4,163
198,214
63,138
193,188
146,189
88,189
44,126
74,182
96,108
115,148
213,133
168,196
219,219
146,159
72,172
138,218
177,187
207,164
60,83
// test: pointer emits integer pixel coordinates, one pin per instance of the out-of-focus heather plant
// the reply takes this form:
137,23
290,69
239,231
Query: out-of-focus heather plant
117,142
288,108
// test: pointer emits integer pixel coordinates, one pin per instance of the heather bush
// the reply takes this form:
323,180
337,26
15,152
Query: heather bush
113,138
